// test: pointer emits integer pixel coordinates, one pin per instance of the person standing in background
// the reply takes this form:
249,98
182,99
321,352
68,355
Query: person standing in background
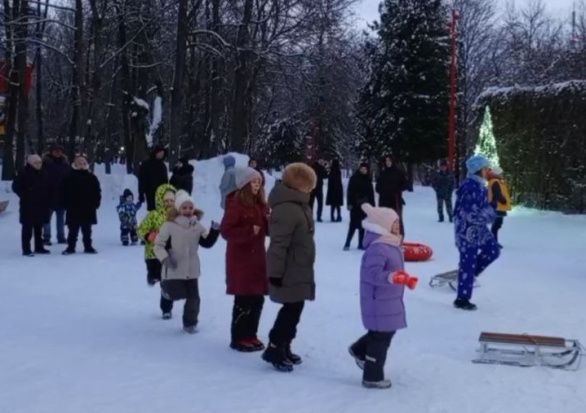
360,191
182,177
390,186
335,195
32,187
228,182
152,174
57,166
443,185
318,192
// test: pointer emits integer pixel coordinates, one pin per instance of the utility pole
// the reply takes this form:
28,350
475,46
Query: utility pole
452,114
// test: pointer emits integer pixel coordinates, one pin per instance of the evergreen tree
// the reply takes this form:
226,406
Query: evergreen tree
486,142
404,106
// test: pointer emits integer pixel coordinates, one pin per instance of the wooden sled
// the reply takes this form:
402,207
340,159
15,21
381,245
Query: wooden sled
524,350
448,278
415,252
3,206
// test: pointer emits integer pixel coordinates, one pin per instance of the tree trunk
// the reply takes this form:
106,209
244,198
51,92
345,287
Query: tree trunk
239,132
20,63
12,101
177,93
126,94
77,79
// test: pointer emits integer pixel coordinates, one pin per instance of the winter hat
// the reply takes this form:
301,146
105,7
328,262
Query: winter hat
127,192
244,176
32,159
383,218
229,161
56,147
300,177
181,197
476,163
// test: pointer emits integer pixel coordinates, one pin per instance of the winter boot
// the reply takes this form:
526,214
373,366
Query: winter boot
47,243
276,356
90,250
42,251
359,361
28,254
464,304
346,248
292,357
189,329
245,346
382,384
167,316
69,251
258,345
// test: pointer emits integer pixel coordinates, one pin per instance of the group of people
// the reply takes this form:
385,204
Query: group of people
390,185
50,186
172,233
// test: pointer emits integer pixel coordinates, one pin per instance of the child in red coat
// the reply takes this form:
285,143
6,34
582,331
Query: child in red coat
245,227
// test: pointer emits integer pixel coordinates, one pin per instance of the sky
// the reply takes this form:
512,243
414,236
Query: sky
367,10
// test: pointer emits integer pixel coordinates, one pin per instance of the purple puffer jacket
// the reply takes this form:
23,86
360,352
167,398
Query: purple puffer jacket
381,302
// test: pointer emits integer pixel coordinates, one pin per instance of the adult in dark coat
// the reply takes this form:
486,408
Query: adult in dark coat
152,174
57,166
318,192
390,186
443,185
360,191
335,195
290,260
82,199
32,187
182,177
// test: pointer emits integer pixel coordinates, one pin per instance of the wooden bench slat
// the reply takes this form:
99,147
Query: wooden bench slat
523,339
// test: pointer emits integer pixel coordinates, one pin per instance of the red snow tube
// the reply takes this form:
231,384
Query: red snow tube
416,252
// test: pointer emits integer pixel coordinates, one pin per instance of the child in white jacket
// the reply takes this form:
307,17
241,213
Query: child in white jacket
176,246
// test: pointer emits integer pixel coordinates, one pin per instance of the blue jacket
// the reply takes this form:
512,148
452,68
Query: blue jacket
127,213
473,214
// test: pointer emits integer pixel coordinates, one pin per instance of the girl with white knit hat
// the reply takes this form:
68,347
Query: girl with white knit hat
176,247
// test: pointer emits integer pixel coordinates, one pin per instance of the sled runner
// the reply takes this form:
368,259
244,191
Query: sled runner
524,350
448,278
3,206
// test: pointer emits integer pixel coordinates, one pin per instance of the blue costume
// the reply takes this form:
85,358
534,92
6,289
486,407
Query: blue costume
476,244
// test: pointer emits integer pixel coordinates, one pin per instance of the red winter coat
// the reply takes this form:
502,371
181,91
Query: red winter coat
246,265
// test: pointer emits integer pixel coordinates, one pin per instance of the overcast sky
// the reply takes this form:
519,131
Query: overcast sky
367,10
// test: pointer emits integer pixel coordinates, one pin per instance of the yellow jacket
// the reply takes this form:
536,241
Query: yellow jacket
499,195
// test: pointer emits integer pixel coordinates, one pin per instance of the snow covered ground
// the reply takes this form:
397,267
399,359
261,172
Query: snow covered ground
84,334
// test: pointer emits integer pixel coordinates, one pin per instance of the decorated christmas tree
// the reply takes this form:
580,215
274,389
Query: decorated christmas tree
486,142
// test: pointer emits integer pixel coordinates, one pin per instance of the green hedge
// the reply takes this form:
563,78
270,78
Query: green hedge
540,134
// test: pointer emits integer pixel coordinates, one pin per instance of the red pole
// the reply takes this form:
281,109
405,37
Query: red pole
452,116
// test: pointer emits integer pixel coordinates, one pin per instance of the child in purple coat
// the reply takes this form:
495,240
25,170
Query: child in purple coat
381,301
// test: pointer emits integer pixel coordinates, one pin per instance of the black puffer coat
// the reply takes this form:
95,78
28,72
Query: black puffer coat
152,174
82,197
360,191
32,187
183,177
390,186
57,170
335,195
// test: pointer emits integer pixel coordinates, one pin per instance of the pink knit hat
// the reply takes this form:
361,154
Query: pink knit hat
381,217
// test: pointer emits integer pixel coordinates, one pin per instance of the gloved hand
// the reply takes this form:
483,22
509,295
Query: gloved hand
402,278
276,282
170,262
215,226
152,236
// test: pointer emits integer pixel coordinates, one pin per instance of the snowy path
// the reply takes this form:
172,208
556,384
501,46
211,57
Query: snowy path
84,334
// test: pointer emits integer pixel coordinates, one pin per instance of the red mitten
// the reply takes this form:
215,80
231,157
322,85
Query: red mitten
403,278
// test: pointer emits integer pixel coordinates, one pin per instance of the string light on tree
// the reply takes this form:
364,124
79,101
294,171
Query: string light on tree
486,142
